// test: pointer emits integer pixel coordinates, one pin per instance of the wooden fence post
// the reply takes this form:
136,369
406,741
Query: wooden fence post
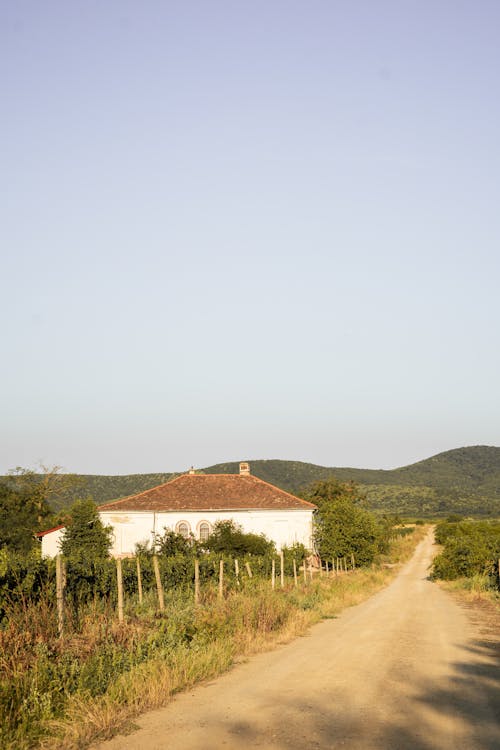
139,578
221,579
237,571
273,573
295,573
249,569
353,563
282,569
119,584
196,581
159,587
60,594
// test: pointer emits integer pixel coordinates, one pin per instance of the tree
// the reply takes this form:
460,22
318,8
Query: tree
45,487
228,537
85,538
342,524
19,519
25,504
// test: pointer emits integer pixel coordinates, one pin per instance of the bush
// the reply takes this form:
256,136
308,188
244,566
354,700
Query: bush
85,536
470,548
170,543
295,552
227,537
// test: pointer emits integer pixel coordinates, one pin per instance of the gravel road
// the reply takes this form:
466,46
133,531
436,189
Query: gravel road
405,670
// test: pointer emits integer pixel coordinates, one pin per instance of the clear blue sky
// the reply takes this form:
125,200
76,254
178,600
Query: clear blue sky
236,230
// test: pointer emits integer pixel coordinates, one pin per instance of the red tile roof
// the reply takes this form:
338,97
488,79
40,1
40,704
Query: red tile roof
39,534
210,492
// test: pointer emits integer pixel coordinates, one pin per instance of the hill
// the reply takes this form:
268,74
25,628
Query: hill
463,480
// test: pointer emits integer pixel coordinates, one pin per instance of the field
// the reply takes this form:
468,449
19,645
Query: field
64,692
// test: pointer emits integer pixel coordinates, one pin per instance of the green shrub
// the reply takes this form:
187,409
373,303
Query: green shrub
469,548
228,537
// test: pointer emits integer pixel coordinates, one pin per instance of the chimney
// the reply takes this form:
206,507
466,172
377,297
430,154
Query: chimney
244,469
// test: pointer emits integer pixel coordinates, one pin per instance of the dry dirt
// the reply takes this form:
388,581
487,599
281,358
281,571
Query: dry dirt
409,669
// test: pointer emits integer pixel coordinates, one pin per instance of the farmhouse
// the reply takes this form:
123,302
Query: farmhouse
192,503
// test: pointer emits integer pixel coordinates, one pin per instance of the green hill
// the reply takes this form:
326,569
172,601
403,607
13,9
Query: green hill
464,480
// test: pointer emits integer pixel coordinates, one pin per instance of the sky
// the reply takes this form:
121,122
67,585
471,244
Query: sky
248,230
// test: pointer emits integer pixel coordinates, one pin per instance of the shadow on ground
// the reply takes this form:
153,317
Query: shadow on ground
464,714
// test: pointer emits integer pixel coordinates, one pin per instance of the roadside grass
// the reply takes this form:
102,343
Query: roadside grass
64,695
473,589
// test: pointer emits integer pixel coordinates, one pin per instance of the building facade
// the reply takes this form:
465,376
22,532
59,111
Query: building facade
192,503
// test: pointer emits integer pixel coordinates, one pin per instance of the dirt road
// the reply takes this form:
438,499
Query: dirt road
405,670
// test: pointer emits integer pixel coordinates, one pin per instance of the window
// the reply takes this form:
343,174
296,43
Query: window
183,529
204,531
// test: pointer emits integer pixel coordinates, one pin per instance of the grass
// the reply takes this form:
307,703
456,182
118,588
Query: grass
63,695
474,589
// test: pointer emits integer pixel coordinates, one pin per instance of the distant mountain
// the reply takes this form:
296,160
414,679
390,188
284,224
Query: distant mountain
464,480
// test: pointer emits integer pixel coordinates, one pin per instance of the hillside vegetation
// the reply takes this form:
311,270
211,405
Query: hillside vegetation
103,488
464,480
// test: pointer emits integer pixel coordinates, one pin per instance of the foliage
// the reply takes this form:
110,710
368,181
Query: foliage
343,525
26,501
464,481
60,490
467,471
170,543
297,552
19,519
228,537
46,488
115,671
470,548
85,536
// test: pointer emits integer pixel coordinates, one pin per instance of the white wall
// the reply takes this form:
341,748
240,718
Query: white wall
284,527
51,542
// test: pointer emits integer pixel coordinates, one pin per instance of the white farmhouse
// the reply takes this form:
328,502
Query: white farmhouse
192,503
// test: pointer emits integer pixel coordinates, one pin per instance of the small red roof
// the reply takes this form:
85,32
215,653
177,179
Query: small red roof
49,531
191,492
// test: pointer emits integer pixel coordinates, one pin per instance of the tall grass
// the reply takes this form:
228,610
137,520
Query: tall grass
64,694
